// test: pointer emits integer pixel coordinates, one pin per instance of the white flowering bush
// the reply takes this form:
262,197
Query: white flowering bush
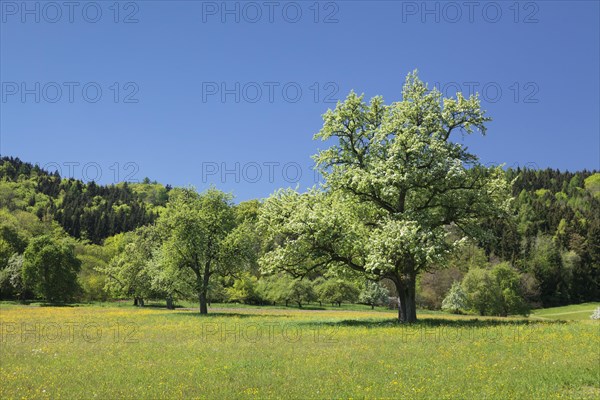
596,314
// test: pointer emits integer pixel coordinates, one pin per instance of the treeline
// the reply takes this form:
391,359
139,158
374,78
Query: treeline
125,241
85,211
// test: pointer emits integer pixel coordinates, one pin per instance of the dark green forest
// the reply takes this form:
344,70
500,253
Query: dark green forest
550,242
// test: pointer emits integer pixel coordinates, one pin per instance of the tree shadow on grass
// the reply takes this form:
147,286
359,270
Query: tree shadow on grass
433,323
57,305
211,315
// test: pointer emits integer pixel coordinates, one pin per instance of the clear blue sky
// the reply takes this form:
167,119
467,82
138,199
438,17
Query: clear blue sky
536,65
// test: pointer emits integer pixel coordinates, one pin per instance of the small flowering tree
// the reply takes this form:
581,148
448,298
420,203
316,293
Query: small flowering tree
596,314
373,294
455,300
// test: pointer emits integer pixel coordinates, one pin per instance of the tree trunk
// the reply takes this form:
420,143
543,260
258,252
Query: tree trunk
372,306
202,282
299,305
203,304
406,288
411,298
135,301
170,304
401,288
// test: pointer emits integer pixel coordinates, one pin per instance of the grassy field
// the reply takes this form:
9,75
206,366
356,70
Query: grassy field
573,312
107,352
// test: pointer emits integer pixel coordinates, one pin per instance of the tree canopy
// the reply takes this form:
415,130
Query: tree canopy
399,194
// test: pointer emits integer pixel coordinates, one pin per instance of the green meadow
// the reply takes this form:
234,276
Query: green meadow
572,312
107,351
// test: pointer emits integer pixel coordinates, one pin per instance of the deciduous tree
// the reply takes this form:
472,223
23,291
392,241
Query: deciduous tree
399,193
50,269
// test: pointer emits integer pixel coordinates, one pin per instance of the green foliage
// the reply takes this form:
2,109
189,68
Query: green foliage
274,288
498,291
552,236
128,270
592,184
11,242
510,290
50,269
86,211
300,291
281,288
337,291
546,263
373,294
244,290
395,184
201,238
483,293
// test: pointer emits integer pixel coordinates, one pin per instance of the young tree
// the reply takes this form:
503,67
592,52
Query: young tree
495,292
127,271
274,288
373,294
11,278
169,283
396,187
337,291
483,293
50,269
301,291
244,290
200,234
510,288
455,300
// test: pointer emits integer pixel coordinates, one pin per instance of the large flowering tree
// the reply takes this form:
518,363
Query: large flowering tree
399,194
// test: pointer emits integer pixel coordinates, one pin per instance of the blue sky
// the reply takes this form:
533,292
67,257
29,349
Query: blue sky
193,92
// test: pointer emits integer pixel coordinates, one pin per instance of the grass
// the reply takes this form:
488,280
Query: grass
572,312
109,352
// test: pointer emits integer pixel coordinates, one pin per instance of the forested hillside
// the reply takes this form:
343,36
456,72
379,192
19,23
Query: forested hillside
549,247
85,211
555,233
